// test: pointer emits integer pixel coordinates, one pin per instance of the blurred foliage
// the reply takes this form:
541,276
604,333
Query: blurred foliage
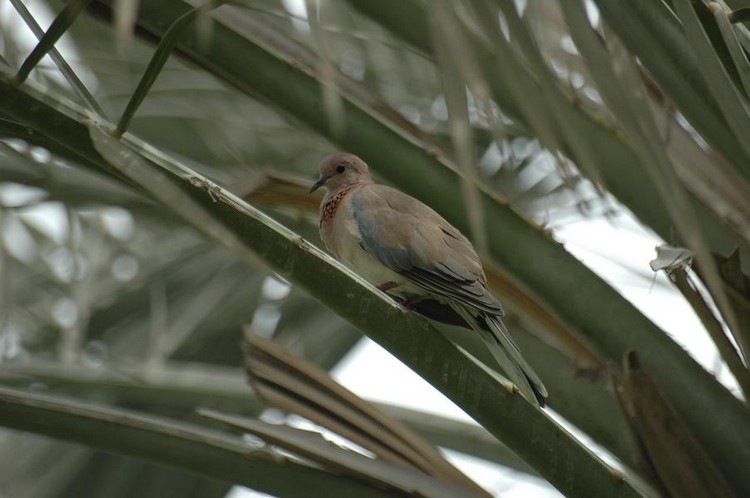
554,112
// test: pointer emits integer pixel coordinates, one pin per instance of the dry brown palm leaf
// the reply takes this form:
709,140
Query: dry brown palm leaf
280,190
676,262
669,450
292,384
737,286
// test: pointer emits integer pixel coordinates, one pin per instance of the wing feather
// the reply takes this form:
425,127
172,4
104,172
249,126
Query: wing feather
411,239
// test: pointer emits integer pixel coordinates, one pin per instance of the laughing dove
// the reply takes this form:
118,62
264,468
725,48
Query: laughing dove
408,250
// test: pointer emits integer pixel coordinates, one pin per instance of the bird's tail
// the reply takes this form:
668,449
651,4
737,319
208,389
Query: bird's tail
507,354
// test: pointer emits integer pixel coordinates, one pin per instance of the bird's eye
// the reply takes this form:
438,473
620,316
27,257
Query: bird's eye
340,168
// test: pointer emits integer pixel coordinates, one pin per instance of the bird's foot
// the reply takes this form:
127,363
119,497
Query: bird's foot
407,302
410,302
386,286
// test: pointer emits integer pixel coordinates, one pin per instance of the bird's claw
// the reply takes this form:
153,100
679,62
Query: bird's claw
411,302
386,286
406,302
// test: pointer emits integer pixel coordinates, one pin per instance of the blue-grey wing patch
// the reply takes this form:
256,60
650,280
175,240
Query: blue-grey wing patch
394,256
411,239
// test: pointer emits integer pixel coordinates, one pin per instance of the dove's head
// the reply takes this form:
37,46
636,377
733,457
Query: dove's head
341,170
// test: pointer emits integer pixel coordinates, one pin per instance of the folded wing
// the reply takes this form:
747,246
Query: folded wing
411,239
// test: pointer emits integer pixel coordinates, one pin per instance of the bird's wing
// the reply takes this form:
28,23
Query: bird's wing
411,239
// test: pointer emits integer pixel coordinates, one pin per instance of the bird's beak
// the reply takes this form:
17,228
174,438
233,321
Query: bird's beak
319,183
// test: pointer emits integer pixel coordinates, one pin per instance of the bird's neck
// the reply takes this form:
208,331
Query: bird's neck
333,199
339,190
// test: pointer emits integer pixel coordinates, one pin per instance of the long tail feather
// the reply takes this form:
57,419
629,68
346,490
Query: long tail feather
506,354
504,339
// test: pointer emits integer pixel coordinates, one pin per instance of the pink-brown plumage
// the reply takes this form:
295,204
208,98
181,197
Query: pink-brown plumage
396,242
328,209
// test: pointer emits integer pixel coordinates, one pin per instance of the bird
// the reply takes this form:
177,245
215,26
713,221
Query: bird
406,249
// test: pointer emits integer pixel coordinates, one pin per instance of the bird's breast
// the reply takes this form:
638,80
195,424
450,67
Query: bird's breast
337,227
342,238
